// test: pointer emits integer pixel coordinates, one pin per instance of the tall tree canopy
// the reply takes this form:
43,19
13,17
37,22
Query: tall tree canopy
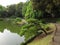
3,12
49,6
28,11
15,10
19,7
11,10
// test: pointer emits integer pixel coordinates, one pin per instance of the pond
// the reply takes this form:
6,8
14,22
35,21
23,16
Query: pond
9,33
9,38
9,25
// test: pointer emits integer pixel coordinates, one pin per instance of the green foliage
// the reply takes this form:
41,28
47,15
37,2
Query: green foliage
31,20
19,7
38,14
2,11
15,20
18,19
31,32
28,31
14,10
30,13
22,43
42,4
52,7
32,28
24,29
24,8
11,10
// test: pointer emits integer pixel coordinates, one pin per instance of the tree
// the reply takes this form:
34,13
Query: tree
3,12
15,10
19,7
49,6
11,9
24,8
28,11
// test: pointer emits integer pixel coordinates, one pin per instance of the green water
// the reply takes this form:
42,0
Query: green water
9,25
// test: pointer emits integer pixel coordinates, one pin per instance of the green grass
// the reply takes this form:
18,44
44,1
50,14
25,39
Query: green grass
44,41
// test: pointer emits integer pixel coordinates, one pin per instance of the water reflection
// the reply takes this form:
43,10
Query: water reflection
9,38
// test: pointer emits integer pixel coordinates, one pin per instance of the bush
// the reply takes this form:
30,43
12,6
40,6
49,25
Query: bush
30,29
18,19
31,20
22,43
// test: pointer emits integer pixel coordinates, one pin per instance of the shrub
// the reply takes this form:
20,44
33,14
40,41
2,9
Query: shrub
30,29
31,20
18,19
22,43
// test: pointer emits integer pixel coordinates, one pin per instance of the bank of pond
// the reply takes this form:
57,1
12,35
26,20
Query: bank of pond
10,28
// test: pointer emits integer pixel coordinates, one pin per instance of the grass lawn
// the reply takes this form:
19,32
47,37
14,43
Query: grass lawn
44,41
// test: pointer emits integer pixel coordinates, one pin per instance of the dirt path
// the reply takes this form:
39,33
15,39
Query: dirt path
56,39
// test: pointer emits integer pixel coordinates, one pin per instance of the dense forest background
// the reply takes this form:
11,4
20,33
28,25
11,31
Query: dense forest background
36,8
14,10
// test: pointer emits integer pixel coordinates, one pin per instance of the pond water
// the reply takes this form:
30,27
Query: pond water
9,38
9,25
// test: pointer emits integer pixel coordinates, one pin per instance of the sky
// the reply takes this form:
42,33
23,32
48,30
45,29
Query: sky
9,2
